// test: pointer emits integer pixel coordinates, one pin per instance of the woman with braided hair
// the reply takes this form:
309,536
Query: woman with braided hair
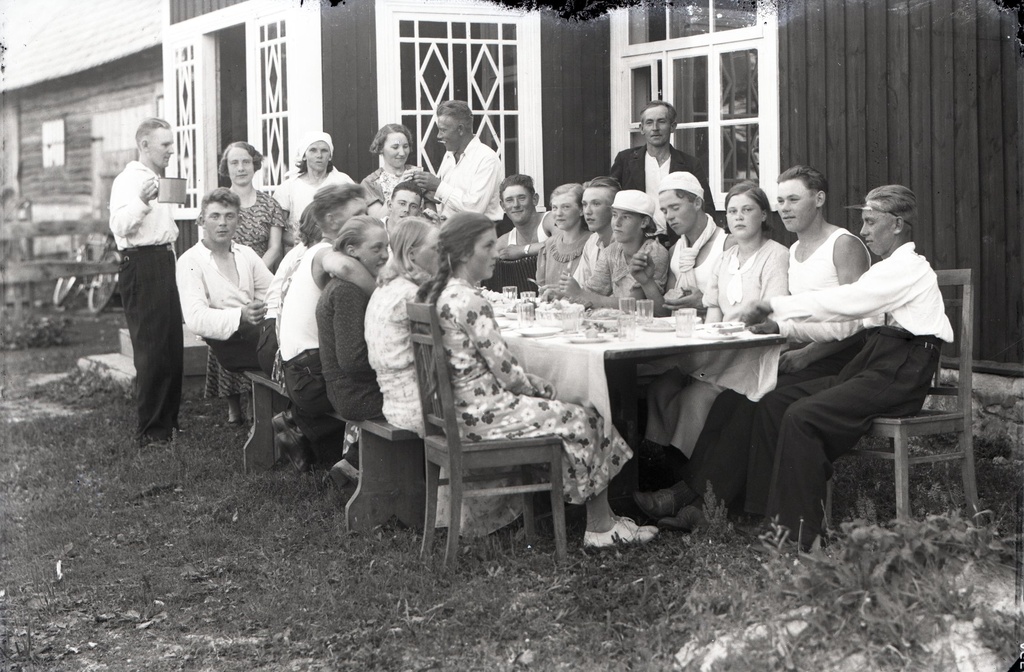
497,399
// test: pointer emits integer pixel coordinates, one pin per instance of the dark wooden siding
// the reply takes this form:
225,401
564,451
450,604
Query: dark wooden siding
575,89
925,94
350,84
183,10
123,84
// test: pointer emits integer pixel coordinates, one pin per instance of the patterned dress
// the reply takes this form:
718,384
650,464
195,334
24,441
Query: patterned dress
495,399
254,224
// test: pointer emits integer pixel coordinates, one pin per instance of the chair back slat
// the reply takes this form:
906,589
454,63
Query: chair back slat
963,328
434,378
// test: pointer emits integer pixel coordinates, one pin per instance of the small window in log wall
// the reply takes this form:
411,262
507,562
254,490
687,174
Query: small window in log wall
53,143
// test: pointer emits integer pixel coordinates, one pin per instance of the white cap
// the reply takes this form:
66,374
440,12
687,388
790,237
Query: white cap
682,181
634,200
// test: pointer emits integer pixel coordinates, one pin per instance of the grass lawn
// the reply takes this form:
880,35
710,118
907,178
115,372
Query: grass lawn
116,558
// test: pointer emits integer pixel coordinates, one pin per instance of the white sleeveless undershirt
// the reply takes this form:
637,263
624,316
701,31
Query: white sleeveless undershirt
298,313
817,271
542,235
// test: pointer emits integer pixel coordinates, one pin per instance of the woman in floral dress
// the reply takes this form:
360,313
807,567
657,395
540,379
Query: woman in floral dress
497,399
261,222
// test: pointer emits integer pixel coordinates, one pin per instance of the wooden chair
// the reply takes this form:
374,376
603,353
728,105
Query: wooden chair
939,421
444,447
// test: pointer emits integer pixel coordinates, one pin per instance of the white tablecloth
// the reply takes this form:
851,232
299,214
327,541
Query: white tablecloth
577,370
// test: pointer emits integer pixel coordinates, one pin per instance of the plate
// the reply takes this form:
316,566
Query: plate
584,340
539,332
710,335
659,326
726,327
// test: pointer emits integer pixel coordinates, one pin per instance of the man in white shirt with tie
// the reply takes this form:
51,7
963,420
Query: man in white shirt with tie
470,173
810,424
145,231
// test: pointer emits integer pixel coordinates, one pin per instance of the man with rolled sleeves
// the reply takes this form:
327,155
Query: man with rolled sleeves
808,425
145,231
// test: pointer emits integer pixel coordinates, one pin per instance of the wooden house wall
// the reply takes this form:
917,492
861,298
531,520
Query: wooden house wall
349,46
923,94
576,95
182,10
127,83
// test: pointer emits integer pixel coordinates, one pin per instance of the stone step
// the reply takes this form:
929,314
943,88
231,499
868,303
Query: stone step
120,369
195,351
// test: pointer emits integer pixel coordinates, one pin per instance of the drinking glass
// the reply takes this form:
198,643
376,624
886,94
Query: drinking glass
628,305
627,327
510,292
644,311
686,318
528,296
527,314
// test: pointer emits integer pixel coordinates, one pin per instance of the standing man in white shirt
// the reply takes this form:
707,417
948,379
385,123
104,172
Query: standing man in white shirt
644,167
810,424
145,231
470,173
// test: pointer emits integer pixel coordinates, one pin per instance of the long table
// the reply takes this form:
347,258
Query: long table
605,374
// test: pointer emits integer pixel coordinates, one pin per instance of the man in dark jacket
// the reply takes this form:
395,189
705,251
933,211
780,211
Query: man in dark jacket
644,168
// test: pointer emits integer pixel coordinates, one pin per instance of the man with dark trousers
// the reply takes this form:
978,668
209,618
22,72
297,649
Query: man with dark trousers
806,426
643,168
145,231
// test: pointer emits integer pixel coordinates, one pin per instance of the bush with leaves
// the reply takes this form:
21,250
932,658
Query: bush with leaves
37,331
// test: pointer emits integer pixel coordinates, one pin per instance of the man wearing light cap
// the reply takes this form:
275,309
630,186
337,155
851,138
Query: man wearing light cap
634,265
808,425
701,241
314,171
644,167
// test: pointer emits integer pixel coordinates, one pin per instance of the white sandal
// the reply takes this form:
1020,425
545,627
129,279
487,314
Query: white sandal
623,532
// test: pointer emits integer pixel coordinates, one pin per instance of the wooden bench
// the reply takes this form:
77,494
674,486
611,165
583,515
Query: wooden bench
391,467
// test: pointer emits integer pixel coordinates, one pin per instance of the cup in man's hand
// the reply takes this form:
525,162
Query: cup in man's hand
171,190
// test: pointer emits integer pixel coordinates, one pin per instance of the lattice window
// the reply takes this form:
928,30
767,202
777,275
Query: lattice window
273,97
185,122
475,61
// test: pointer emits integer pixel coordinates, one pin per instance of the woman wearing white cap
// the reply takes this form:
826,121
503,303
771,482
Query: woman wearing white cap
634,265
314,171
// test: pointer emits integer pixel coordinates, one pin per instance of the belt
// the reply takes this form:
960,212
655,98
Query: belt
300,359
148,248
929,341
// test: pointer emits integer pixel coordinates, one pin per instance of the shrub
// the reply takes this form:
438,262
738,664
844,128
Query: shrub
35,332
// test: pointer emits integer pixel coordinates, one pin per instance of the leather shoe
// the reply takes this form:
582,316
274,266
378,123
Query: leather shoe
688,519
282,421
657,504
292,443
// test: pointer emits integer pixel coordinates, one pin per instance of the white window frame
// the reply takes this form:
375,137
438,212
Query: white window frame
763,37
304,77
528,70
52,140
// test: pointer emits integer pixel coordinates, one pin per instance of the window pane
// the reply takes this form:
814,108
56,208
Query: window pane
511,86
405,29
459,30
636,139
693,141
740,154
433,78
508,31
732,14
460,81
433,29
641,90
511,153
646,24
483,31
690,83
739,84
407,54
693,19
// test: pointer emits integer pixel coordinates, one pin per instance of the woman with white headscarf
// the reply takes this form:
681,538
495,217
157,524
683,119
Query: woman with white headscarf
314,171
